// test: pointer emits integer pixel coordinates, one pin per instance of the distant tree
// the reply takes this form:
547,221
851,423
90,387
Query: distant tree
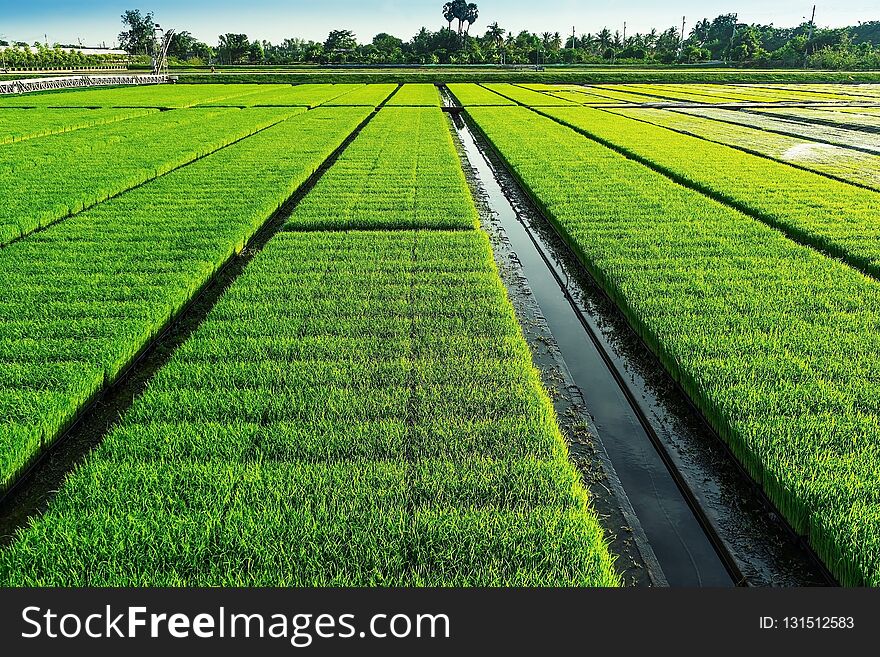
233,47
495,33
667,46
693,53
182,46
137,39
255,53
449,14
340,40
460,12
471,14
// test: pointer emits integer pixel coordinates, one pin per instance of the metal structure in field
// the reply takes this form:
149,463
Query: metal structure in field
77,81
161,43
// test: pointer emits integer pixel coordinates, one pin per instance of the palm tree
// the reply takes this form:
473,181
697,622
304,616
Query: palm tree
449,14
460,12
604,38
471,15
495,33
545,39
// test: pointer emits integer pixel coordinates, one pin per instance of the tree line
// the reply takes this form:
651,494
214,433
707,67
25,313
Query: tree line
722,39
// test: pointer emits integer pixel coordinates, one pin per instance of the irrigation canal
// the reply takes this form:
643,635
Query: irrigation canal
706,521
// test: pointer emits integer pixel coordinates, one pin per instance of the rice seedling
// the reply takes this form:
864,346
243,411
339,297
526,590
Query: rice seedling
402,171
526,96
165,95
475,94
47,179
416,95
823,133
838,218
419,454
92,291
775,342
846,164
22,124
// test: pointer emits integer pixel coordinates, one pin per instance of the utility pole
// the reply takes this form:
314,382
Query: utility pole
624,34
572,38
681,38
732,36
810,34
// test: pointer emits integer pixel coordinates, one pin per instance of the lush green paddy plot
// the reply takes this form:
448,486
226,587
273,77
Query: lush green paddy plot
369,95
474,94
803,93
420,455
776,343
154,95
854,117
857,91
839,218
844,163
402,171
525,96
299,95
416,95
716,93
658,94
620,96
839,136
92,291
44,180
17,124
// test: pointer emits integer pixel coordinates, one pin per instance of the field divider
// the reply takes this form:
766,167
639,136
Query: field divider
138,185
802,238
40,480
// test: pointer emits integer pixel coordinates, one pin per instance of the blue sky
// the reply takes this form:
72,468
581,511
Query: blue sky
97,21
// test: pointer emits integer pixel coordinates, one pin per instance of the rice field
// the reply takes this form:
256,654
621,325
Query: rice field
360,405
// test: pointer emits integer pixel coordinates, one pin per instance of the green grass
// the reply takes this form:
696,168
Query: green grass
845,164
93,290
841,219
422,464
775,342
402,171
47,179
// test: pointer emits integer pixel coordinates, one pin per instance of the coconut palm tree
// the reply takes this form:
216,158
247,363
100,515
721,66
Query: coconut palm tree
495,33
